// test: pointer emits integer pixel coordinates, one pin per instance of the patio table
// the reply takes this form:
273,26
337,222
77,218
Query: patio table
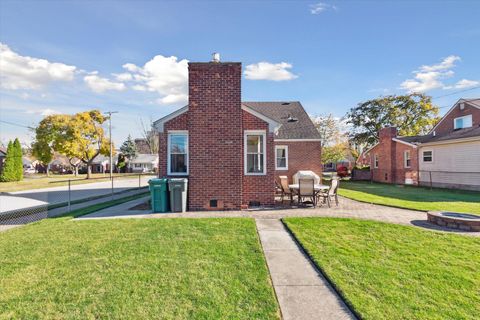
316,187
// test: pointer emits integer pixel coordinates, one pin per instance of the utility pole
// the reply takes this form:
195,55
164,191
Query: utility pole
111,142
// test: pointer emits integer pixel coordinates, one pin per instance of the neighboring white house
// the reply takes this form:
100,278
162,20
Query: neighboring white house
101,163
144,163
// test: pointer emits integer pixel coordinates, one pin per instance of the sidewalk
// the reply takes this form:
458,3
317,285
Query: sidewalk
302,292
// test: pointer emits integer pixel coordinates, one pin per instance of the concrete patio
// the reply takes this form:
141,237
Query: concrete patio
347,209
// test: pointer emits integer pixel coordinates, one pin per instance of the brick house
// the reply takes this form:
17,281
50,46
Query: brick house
231,151
448,156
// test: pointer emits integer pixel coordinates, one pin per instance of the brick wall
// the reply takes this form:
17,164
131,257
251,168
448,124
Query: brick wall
215,135
391,166
447,125
259,188
302,155
177,123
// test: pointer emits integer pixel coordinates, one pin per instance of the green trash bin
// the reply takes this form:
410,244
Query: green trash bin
159,195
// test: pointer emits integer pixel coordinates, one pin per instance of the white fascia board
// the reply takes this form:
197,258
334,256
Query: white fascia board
159,124
370,149
404,142
273,125
297,140
451,141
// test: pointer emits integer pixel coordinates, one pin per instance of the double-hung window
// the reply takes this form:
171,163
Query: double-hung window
407,159
177,162
463,122
427,156
375,161
255,152
281,157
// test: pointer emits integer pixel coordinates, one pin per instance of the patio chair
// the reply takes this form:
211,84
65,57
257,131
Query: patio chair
331,193
286,191
306,190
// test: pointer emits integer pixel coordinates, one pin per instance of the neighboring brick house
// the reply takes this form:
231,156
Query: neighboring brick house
142,146
231,151
449,156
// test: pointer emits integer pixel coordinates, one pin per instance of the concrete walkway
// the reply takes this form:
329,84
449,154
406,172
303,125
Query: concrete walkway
302,292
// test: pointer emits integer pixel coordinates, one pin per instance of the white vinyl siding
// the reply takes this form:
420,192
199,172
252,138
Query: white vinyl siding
454,163
281,157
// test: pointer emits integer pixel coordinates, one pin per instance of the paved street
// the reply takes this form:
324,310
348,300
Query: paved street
31,198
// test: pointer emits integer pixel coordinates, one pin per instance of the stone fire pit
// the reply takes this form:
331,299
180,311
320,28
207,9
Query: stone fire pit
455,220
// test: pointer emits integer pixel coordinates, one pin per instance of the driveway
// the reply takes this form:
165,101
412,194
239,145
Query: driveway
31,198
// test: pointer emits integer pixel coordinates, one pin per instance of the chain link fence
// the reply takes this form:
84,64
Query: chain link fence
60,197
429,178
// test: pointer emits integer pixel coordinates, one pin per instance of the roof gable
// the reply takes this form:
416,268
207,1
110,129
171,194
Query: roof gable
279,111
275,114
475,103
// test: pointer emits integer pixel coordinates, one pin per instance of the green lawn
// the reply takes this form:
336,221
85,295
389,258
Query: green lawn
388,271
417,198
135,269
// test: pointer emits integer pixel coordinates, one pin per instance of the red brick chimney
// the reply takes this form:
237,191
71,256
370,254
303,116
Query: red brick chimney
215,134
389,148
387,133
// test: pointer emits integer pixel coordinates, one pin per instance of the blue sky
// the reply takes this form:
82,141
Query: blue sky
130,56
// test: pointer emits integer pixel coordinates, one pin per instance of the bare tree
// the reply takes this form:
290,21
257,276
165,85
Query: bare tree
149,135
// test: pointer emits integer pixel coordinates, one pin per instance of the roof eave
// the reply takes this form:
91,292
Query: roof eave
273,126
159,124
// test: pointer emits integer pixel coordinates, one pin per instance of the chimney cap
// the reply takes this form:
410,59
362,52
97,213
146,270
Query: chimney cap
216,57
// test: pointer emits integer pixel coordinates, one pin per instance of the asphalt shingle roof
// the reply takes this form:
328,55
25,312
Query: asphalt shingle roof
280,111
457,134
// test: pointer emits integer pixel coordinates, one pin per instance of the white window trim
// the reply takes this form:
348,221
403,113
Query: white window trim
405,159
169,171
375,161
423,151
255,132
468,116
286,157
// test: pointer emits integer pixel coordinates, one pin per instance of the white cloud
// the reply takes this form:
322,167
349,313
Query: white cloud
430,77
464,83
99,84
447,63
321,7
42,112
122,76
165,75
269,71
23,72
173,99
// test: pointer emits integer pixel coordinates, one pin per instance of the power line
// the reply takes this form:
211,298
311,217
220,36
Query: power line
452,93
16,124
